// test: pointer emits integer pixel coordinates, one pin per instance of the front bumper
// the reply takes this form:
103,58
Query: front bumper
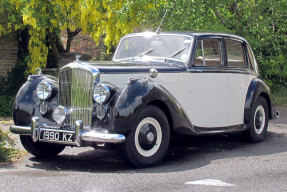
98,135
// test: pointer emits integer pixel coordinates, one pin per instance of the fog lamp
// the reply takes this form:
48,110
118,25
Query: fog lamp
60,114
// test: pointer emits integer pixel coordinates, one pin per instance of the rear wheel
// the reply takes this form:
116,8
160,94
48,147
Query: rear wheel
40,149
259,121
148,141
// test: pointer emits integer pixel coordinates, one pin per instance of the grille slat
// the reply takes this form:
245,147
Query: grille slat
75,93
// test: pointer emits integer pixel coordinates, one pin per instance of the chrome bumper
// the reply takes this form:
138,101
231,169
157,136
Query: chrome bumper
98,135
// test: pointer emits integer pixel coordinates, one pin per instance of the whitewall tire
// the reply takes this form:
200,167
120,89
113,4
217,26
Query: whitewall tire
257,130
147,143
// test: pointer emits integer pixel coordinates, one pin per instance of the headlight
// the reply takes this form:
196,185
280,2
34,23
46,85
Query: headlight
60,114
44,90
101,93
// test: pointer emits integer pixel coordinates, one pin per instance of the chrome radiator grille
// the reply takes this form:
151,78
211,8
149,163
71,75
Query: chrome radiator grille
75,93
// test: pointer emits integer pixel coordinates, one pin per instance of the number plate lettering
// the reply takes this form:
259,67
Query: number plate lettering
68,137
56,136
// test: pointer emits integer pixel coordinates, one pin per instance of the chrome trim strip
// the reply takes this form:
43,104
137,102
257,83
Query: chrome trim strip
219,70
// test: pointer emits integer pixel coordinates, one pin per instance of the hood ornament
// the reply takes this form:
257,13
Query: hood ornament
78,57
38,71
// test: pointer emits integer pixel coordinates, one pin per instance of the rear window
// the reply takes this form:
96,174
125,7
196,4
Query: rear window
235,54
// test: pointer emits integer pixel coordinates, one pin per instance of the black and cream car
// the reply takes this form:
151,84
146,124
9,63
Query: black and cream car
158,85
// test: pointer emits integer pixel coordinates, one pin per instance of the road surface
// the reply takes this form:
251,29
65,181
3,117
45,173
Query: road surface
209,163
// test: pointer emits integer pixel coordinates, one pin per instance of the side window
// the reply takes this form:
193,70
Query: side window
235,54
208,53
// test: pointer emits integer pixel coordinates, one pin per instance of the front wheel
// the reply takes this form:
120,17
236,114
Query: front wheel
259,121
148,141
39,149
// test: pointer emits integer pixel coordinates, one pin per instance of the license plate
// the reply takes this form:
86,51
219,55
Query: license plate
56,136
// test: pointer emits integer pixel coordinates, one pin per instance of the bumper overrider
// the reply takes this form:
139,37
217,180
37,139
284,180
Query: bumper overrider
79,135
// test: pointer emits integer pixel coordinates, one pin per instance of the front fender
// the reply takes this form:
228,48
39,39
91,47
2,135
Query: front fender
142,92
26,104
257,88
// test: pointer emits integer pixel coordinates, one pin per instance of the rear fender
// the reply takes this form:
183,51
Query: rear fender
257,88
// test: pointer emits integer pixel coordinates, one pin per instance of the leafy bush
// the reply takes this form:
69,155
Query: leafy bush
7,150
15,78
6,103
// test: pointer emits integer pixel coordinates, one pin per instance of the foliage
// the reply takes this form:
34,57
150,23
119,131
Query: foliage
7,150
15,78
262,23
45,20
6,103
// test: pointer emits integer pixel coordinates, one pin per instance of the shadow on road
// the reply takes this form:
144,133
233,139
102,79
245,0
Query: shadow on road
185,153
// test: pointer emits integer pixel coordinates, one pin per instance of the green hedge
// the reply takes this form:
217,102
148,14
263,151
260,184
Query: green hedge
6,103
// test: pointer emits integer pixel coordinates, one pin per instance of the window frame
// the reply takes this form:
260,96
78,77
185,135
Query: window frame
245,55
221,47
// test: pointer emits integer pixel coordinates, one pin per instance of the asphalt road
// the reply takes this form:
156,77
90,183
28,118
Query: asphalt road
209,163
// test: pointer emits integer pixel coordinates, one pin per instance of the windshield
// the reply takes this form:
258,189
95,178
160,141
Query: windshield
154,46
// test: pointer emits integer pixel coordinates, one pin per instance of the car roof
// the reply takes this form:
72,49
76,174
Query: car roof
195,34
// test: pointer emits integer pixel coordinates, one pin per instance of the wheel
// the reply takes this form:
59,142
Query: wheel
148,141
39,149
259,121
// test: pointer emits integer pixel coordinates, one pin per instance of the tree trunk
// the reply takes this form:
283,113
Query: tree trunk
71,35
52,41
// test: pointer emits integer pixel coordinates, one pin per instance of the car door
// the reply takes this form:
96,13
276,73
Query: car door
239,77
208,94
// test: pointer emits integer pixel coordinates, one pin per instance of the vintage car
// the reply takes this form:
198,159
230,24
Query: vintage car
158,85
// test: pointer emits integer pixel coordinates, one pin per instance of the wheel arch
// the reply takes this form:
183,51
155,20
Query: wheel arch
26,104
268,101
162,106
257,88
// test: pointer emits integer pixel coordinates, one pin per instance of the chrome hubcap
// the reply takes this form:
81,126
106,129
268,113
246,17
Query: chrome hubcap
150,137
259,119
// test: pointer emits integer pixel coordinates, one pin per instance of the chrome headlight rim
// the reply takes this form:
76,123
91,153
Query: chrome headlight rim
44,90
101,93
64,113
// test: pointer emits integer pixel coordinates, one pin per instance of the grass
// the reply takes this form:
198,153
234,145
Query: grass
6,120
8,152
280,96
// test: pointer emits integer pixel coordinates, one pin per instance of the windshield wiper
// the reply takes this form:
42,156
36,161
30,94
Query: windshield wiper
146,52
177,52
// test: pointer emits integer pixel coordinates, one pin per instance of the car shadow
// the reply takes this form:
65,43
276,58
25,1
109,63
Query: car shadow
185,153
